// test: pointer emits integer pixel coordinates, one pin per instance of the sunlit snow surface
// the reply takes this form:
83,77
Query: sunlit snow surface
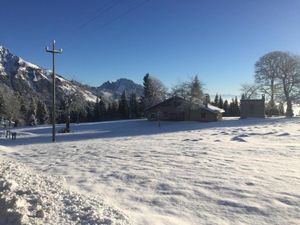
228,172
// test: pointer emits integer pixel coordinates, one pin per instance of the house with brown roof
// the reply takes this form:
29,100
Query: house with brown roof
179,109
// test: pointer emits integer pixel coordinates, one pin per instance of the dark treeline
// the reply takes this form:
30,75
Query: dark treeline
78,110
73,107
231,108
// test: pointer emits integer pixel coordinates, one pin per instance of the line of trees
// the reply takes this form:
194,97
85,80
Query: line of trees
277,76
231,108
30,111
74,108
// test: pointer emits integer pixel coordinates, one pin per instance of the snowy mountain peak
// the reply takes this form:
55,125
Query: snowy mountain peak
31,80
120,85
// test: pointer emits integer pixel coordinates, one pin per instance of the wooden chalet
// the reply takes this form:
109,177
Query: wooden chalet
178,109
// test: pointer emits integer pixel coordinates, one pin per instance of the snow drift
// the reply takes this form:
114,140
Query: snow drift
27,197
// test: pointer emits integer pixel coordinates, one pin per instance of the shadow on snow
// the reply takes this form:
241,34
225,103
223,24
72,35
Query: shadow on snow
124,128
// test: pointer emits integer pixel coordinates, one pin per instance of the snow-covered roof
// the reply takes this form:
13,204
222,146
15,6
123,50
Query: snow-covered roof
214,108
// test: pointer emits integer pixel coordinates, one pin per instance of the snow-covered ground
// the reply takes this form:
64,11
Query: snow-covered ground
228,172
27,197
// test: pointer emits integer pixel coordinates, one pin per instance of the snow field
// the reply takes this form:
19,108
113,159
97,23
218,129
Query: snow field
228,172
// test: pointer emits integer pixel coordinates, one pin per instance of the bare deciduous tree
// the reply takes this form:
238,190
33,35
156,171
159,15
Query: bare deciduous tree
250,90
278,74
289,79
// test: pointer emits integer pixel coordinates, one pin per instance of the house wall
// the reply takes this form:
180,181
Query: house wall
204,116
252,108
176,110
166,113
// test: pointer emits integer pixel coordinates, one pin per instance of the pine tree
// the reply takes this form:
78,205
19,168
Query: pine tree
114,110
231,108
123,106
154,91
220,103
97,110
90,112
31,113
147,91
102,110
216,101
23,112
133,106
208,100
141,107
2,105
237,107
42,114
196,91
226,108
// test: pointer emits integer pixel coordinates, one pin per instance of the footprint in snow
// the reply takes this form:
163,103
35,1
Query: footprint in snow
238,138
283,134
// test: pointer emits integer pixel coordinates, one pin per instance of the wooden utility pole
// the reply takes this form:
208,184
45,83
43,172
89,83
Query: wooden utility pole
53,51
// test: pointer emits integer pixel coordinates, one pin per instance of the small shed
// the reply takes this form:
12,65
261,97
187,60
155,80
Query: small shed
178,109
252,108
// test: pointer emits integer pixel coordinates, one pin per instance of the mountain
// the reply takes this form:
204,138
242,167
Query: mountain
30,80
117,87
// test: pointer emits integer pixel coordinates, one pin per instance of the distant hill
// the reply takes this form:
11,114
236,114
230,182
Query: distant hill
30,80
120,85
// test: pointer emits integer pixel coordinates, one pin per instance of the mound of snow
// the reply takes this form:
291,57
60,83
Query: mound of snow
27,197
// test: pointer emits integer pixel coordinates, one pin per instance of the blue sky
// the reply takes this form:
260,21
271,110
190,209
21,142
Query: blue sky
219,40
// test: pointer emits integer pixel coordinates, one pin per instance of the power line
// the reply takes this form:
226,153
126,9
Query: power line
125,13
101,11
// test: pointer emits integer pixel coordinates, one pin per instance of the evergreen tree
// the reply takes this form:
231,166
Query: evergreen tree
234,108
96,110
231,108
216,101
141,107
196,91
154,91
133,106
208,100
123,106
220,103
226,108
23,113
102,110
31,113
147,89
114,110
90,112
237,107
42,114
2,105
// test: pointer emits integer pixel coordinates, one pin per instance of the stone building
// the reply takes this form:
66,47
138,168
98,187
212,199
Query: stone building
252,108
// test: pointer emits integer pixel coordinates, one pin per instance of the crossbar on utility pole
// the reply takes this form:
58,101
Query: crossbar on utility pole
53,51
